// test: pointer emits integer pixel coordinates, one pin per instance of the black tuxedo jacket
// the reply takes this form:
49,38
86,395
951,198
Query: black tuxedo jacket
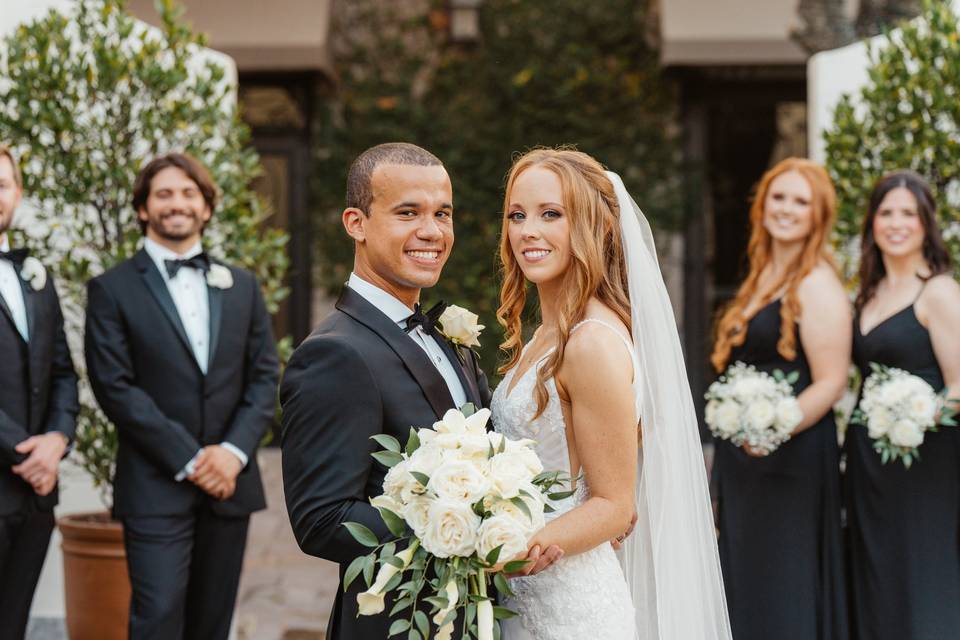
148,383
38,389
357,375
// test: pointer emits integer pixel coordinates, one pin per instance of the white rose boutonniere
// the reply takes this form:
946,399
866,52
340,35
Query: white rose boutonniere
219,277
33,272
461,326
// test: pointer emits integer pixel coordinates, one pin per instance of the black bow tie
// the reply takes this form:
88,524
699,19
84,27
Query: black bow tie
16,256
425,320
200,262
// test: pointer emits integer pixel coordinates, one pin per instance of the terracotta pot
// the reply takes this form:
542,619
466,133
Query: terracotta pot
95,577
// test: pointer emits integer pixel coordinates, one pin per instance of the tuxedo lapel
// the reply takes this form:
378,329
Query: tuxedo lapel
418,364
9,315
215,298
154,281
30,306
467,379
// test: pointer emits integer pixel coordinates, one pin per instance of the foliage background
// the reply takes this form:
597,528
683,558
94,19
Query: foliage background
564,72
906,117
85,100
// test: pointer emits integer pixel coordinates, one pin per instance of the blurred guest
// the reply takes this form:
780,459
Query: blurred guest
182,359
904,523
38,412
779,514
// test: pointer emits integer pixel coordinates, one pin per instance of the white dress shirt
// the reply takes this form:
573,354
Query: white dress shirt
12,293
190,296
399,312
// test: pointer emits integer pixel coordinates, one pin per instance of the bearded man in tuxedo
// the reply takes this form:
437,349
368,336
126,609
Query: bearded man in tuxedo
38,411
182,360
377,364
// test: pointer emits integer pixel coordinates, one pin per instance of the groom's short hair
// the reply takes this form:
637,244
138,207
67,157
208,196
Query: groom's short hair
360,176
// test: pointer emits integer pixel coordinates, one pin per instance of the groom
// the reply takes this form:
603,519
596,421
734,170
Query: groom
375,365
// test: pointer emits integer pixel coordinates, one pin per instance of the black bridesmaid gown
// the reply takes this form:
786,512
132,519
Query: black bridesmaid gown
781,546
904,524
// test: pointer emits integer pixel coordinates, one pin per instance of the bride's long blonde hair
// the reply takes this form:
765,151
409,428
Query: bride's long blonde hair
597,268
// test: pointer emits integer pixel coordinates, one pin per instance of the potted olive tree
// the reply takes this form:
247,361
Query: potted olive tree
86,98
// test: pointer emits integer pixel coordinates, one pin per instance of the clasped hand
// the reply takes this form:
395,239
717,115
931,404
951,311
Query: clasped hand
44,453
215,471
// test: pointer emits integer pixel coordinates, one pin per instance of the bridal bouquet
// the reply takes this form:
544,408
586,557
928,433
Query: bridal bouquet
898,408
753,407
457,500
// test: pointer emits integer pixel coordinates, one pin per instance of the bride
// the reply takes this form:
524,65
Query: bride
605,355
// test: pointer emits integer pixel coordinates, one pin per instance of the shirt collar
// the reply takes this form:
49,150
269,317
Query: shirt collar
158,253
5,243
386,303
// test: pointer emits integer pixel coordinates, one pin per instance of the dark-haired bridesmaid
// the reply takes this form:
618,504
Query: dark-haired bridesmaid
904,524
779,515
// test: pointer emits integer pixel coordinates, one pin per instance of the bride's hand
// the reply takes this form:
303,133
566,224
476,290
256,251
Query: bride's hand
755,453
537,561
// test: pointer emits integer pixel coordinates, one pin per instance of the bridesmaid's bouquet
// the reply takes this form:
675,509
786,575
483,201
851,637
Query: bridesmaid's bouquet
457,500
753,407
898,408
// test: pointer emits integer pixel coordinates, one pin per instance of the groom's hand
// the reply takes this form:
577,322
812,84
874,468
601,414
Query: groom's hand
617,542
216,471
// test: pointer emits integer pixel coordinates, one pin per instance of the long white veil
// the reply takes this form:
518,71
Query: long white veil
670,561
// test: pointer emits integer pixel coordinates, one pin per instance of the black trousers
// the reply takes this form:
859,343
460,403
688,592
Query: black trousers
184,571
24,538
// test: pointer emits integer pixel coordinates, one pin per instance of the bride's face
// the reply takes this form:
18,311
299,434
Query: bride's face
538,225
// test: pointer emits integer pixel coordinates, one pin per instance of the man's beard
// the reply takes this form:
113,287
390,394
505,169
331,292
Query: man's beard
160,230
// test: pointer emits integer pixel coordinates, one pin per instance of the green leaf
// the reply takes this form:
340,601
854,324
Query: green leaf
398,626
494,555
423,625
400,605
414,635
521,504
560,495
515,565
368,565
387,442
502,585
394,522
387,458
352,571
422,478
413,442
468,409
502,613
362,534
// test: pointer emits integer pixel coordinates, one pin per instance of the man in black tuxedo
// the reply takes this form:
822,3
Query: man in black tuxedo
38,412
375,365
182,359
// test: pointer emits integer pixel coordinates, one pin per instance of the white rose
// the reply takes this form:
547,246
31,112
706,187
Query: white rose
923,408
455,422
726,418
789,415
906,433
417,514
502,530
459,480
219,277
531,524
389,503
399,484
879,422
426,459
508,472
461,326
760,414
451,529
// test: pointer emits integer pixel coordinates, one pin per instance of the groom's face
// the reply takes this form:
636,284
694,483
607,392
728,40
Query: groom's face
405,238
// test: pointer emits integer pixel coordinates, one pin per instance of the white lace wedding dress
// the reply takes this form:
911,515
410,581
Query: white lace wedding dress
582,596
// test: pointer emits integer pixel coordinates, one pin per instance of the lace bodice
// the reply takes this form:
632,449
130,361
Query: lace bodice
581,596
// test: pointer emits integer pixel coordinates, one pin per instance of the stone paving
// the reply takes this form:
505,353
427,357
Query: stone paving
284,593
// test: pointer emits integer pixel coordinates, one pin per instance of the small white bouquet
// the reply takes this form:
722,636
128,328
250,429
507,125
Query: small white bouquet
458,500
753,407
898,408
